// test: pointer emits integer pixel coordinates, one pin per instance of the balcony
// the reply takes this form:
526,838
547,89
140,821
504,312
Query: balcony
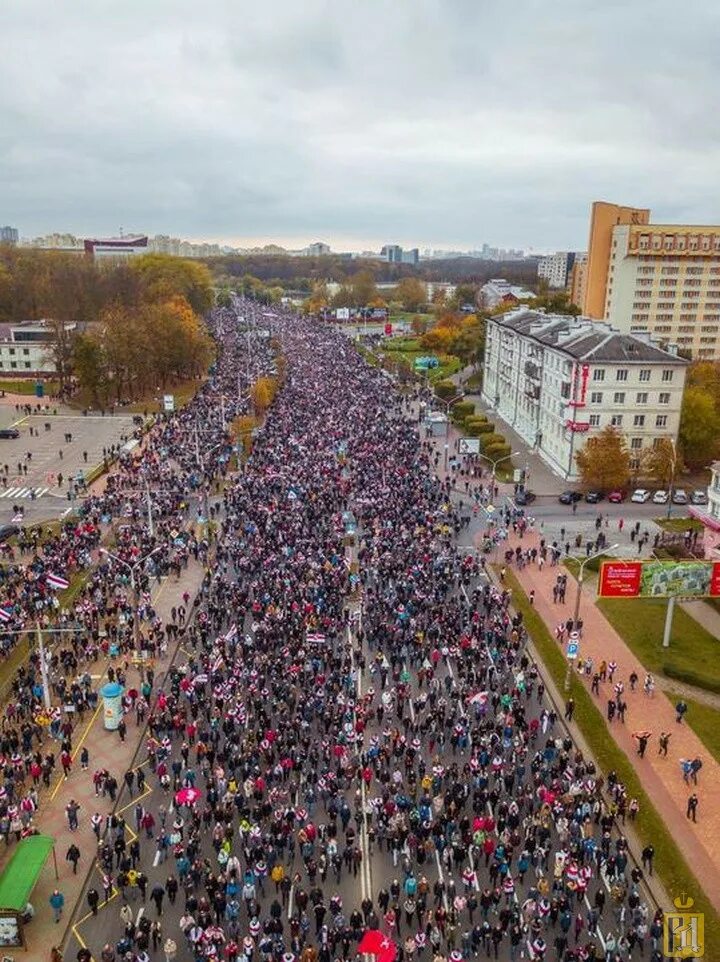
532,370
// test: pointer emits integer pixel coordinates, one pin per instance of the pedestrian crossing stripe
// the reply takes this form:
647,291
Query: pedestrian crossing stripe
23,492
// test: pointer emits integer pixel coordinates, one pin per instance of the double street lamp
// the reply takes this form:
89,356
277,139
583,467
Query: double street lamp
133,568
578,595
497,461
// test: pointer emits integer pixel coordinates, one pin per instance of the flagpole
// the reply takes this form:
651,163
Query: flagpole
43,666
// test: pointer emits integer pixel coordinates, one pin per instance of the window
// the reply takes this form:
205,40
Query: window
594,420
621,374
596,397
12,350
27,364
26,351
635,443
634,464
645,374
641,397
639,421
13,365
616,420
619,397
663,397
667,375
599,374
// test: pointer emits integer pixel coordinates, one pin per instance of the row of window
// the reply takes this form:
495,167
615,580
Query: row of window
621,374
596,397
616,421
14,365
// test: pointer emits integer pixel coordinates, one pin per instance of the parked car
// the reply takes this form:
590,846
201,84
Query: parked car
9,433
524,497
593,497
640,496
698,497
680,496
568,497
661,497
616,497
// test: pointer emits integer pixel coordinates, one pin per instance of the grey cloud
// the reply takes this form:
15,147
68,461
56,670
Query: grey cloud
445,122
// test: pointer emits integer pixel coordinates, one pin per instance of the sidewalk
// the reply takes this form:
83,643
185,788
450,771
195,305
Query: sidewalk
661,777
106,751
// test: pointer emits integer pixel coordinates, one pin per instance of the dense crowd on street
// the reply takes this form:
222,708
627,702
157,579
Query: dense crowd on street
353,735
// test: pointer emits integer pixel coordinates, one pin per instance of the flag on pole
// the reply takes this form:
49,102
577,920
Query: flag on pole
217,664
5,614
57,581
314,638
231,633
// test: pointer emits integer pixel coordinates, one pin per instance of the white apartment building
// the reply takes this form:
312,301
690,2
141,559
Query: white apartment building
709,515
666,280
555,268
557,380
26,348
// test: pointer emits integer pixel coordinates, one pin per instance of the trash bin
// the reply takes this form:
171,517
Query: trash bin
112,703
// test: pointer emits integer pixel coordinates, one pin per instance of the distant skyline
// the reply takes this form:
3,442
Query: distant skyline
435,124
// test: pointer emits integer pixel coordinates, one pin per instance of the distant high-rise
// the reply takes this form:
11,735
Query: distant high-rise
394,254
9,235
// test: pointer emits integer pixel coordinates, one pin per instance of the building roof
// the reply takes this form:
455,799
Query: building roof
121,243
585,339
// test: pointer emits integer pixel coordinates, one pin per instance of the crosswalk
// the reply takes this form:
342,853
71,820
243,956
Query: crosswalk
14,493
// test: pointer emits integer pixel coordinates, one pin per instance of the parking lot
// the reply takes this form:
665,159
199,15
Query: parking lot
35,467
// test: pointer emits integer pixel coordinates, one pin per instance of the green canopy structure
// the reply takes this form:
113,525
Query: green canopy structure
22,872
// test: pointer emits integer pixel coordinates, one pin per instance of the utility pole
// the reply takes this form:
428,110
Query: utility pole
43,666
148,501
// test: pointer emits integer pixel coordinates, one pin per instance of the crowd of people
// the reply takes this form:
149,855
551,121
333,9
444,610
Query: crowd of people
354,736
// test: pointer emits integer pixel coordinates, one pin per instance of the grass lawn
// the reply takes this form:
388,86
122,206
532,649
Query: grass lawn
704,721
669,861
679,525
693,650
27,386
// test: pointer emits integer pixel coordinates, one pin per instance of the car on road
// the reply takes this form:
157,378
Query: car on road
8,531
698,497
569,497
594,497
640,496
616,497
9,433
680,496
524,497
660,497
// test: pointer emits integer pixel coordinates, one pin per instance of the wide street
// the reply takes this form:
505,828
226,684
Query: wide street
353,732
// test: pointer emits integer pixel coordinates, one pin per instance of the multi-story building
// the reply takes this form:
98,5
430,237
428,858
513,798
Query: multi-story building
576,280
499,291
9,235
394,254
709,515
659,278
26,348
116,247
558,380
317,249
603,220
555,268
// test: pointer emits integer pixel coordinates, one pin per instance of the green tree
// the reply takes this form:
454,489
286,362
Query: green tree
91,368
699,427
363,288
604,461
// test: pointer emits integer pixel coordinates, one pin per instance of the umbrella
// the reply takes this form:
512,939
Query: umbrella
187,796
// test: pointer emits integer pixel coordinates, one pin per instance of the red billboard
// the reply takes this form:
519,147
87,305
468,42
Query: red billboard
659,579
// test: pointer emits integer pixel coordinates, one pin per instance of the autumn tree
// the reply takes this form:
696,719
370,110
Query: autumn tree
263,393
660,462
699,426
411,294
604,461
319,299
363,288
164,276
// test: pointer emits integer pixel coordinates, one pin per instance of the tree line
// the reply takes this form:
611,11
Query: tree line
138,321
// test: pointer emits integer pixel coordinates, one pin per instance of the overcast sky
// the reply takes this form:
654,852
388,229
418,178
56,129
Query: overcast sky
358,122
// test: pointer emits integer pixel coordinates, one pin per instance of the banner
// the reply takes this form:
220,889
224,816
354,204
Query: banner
659,579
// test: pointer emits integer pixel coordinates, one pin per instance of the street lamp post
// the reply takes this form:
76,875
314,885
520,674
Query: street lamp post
576,615
672,476
497,461
132,568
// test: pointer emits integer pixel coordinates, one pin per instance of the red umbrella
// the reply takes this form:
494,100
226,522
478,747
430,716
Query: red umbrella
187,796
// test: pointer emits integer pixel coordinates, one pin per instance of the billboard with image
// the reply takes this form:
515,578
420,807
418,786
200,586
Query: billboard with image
659,579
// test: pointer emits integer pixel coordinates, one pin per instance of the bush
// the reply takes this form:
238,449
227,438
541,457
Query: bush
462,409
445,389
493,440
485,427
476,418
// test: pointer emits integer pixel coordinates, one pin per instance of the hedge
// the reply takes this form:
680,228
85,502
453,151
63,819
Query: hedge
485,428
462,409
476,419
446,389
493,440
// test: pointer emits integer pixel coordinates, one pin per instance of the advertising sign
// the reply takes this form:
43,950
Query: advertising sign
659,579
469,446
169,402
342,313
